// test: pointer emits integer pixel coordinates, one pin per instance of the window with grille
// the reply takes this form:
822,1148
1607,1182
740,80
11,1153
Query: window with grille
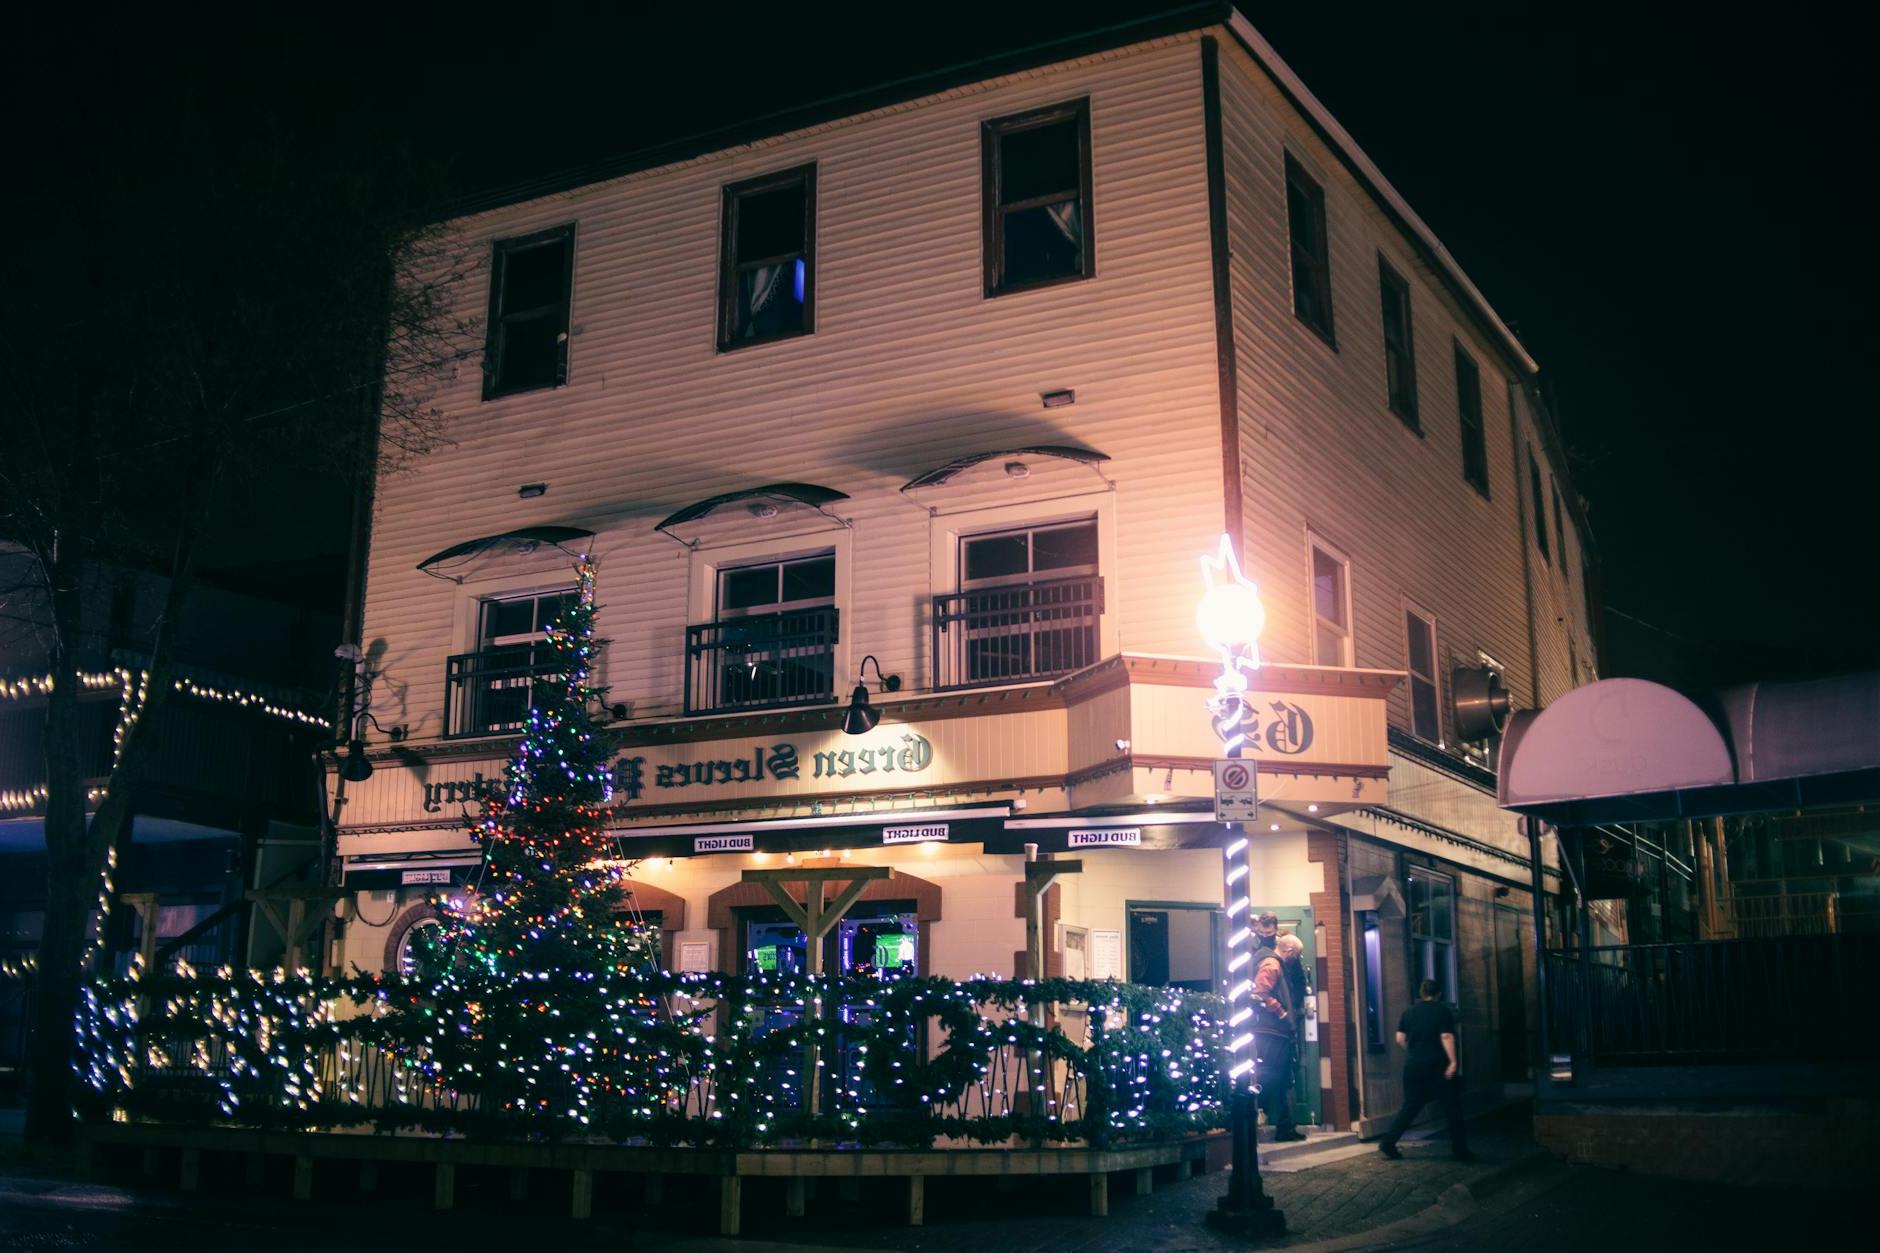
1433,931
1036,191
1029,604
494,687
773,638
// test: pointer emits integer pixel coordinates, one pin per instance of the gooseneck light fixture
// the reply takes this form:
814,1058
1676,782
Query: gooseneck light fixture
861,716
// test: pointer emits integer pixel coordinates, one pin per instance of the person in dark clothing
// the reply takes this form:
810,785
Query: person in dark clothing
1427,1031
1265,931
1274,1025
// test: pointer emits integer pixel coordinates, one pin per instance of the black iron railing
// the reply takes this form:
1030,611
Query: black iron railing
1800,999
1017,632
762,661
489,693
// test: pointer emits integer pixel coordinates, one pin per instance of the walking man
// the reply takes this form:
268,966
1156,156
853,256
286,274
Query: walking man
1427,1031
1274,1032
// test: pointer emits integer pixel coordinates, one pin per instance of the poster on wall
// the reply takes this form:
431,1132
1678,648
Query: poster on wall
1106,955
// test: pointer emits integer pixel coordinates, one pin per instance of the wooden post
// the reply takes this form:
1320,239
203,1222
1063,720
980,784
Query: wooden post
730,1204
795,1196
817,918
583,1202
444,1187
916,1200
1100,1194
192,1170
1145,1180
303,1176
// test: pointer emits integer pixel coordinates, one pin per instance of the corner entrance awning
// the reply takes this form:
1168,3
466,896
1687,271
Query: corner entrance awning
809,494
523,539
942,474
1625,750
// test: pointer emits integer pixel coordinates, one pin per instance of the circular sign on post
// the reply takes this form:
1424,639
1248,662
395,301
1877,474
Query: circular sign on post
1236,777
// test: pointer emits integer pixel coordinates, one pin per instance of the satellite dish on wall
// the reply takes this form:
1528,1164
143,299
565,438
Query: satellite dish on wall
1481,702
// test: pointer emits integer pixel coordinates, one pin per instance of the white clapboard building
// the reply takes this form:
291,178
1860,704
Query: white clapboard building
961,381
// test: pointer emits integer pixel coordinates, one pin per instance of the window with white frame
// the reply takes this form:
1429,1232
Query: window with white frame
1420,660
489,691
772,637
1331,607
1028,607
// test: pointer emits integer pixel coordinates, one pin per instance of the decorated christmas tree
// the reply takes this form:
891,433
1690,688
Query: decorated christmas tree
521,1012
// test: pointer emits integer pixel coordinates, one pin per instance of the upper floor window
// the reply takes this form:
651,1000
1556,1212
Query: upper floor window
1400,363
772,639
530,280
1311,250
1036,188
1469,412
489,691
1560,528
1331,608
1540,506
767,270
1028,607
1420,657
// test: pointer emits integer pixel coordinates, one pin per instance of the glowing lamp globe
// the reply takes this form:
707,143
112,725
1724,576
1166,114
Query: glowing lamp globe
1230,614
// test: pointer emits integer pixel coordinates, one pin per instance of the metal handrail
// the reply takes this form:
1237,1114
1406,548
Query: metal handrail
1016,632
763,661
489,692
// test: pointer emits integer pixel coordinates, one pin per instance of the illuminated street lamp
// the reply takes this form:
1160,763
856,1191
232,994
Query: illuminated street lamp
1231,618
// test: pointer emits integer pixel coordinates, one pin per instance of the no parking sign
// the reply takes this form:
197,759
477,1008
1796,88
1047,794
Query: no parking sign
1236,791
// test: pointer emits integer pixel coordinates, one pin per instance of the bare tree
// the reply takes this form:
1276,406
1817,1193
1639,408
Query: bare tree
203,297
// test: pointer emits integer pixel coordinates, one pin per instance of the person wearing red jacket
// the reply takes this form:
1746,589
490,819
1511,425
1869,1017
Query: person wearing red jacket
1275,1030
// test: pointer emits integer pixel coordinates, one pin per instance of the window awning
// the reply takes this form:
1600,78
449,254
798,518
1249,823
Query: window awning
522,539
942,474
809,494
1624,750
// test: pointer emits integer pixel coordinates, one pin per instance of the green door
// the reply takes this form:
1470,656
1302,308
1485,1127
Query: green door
1298,920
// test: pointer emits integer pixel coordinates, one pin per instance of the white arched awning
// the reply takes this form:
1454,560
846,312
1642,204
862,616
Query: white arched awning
1614,738
1624,749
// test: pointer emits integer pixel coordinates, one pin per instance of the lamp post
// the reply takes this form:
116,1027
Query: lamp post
1231,618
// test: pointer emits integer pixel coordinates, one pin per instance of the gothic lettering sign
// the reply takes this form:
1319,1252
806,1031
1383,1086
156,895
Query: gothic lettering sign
877,761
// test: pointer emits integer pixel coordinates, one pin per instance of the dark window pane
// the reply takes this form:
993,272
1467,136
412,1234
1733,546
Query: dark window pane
533,277
1040,161
1064,547
741,589
1421,654
996,556
1540,505
1328,587
507,617
770,223
809,580
1423,720
1311,264
530,352
1043,242
549,608
770,299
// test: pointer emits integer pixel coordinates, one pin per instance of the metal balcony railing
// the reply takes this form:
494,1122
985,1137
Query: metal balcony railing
1017,632
489,693
759,662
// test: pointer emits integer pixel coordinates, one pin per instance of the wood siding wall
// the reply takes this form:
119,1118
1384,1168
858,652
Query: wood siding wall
1320,449
909,367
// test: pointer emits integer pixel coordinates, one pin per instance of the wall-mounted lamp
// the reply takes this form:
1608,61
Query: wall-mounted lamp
862,716
353,767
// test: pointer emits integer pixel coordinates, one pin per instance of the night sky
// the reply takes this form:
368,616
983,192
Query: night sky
1665,208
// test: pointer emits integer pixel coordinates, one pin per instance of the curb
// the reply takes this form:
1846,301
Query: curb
1455,1203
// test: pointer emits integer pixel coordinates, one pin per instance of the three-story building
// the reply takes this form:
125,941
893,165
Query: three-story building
953,387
